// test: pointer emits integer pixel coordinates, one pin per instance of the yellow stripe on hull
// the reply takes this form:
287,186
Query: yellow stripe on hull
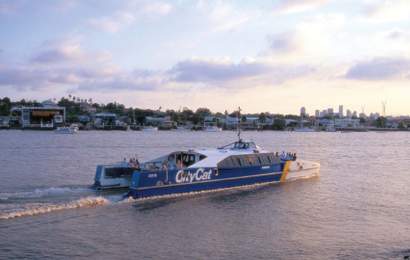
285,171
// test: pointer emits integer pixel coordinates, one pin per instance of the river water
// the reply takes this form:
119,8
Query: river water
358,208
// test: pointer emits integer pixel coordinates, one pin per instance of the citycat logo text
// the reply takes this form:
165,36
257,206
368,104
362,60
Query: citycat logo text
187,176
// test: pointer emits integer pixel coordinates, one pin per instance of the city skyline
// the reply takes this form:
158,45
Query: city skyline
263,56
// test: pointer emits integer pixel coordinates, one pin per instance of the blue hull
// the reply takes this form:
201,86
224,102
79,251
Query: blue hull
145,192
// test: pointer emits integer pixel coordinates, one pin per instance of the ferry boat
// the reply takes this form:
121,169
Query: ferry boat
237,164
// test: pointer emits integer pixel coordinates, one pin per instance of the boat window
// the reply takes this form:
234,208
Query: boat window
252,160
273,158
265,159
269,159
120,172
248,160
238,162
188,159
259,160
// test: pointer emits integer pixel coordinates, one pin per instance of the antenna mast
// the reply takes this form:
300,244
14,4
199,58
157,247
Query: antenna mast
384,108
239,124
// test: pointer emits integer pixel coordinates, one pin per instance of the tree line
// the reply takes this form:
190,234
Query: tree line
75,107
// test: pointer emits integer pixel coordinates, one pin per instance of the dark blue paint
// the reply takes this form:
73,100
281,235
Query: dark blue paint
156,183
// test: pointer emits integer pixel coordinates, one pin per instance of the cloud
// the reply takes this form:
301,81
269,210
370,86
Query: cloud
208,71
127,16
29,77
184,75
66,64
388,10
224,16
8,7
65,51
295,6
396,34
137,80
380,69
157,8
284,42
79,78
220,72
58,52
57,63
19,77
113,23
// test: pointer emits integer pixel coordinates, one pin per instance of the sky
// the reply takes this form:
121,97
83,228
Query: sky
263,55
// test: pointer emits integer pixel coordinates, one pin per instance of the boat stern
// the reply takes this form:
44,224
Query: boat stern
113,176
135,182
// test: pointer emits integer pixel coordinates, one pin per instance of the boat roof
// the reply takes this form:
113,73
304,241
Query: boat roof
215,155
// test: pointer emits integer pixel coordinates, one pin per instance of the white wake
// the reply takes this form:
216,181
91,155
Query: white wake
86,202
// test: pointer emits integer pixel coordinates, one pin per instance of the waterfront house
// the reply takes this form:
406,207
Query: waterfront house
250,123
213,121
108,121
163,122
231,122
47,116
4,122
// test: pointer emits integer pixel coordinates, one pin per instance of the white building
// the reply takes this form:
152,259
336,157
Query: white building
347,123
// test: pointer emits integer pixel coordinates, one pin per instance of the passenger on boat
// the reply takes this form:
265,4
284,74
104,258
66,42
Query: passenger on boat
283,155
179,164
165,165
136,163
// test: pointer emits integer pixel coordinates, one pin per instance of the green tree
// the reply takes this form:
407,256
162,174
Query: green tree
279,124
5,106
362,120
381,122
262,117
402,125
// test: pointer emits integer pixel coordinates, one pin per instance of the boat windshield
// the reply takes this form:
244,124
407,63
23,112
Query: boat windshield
239,145
172,161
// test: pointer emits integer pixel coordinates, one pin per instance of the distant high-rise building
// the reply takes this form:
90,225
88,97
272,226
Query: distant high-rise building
323,113
348,113
354,114
330,111
317,113
340,111
303,111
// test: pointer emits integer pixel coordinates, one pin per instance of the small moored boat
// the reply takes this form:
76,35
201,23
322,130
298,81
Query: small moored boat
149,129
212,129
67,129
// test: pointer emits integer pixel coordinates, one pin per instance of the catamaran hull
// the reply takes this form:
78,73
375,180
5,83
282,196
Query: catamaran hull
145,192
289,171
